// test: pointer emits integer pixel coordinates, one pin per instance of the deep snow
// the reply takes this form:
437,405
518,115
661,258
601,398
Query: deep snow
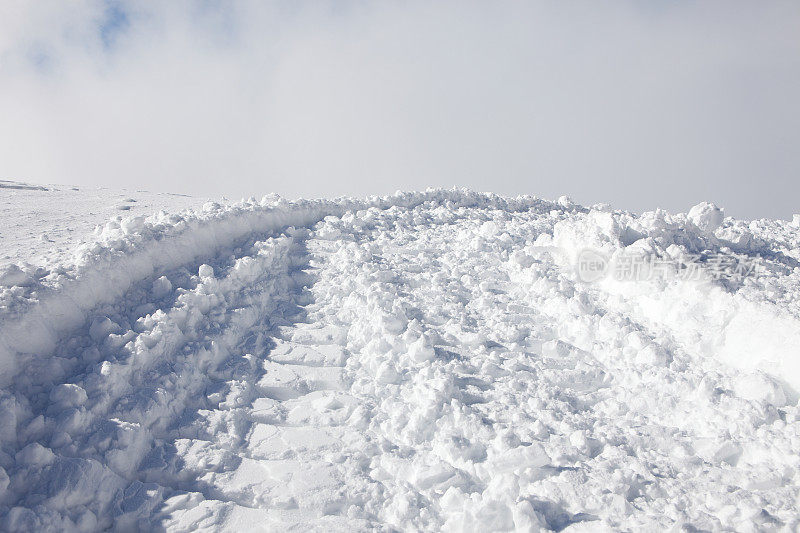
425,361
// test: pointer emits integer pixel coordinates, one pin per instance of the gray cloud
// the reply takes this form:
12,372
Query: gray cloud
638,104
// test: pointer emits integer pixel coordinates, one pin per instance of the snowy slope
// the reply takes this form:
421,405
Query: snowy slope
42,224
425,361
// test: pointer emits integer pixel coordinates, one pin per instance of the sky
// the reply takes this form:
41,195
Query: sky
637,104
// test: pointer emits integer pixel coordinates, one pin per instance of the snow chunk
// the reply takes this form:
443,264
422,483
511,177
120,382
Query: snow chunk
133,224
652,355
161,287
387,374
420,351
68,395
529,456
101,327
489,229
759,387
206,271
706,216
14,275
565,201
34,454
718,450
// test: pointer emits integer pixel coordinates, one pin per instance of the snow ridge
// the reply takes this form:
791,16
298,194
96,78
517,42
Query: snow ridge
137,248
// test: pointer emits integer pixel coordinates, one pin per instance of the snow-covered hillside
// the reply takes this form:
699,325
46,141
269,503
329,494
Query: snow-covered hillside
44,223
445,360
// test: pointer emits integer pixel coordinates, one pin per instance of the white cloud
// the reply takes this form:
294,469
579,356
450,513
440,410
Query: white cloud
636,104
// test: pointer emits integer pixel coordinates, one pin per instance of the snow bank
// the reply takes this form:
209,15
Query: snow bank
731,318
137,248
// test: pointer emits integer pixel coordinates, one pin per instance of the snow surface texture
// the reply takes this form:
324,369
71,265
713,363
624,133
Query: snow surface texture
43,224
426,361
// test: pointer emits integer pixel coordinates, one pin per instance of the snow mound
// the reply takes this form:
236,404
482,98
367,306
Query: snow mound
707,217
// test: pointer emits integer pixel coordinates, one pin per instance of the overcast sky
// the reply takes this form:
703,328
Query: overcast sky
637,104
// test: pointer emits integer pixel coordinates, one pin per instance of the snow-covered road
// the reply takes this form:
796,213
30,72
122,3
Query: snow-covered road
428,361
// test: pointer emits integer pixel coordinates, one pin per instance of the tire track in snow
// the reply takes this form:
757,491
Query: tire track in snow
431,378
53,313
137,392
277,430
496,395
139,248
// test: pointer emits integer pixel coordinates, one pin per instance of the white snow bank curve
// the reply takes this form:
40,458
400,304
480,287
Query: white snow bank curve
137,248
751,323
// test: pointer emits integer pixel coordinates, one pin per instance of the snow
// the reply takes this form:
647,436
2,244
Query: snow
707,217
43,224
423,361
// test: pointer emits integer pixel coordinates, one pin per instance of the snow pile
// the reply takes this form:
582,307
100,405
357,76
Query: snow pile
425,361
